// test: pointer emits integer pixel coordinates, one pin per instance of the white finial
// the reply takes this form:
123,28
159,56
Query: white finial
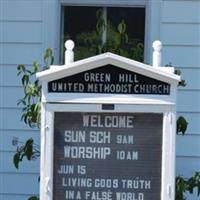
69,54
157,46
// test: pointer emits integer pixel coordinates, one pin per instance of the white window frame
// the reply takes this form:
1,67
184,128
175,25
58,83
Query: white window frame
52,16
52,21
125,3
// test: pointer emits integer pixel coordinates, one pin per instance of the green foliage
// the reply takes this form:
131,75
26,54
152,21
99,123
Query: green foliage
32,93
27,150
178,72
184,185
48,59
31,107
100,25
30,102
180,188
33,198
181,125
117,41
182,82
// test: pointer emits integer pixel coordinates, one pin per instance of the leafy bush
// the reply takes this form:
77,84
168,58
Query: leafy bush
184,185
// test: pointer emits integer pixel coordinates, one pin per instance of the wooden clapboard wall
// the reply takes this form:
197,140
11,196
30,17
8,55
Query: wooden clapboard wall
23,38
28,27
180,34
21,42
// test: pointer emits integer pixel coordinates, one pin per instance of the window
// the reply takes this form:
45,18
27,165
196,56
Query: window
96,30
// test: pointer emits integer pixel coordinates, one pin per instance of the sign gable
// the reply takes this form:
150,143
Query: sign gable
165,74
109,79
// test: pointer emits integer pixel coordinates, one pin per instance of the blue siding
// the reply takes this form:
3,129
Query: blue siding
21,35
14,197
8,91
25,167
10,70
194,82
21,10
180,33
28,27
23,31
188,104
28,183
18,53
187,165
180,55
191,139
177,11
193,120
10,120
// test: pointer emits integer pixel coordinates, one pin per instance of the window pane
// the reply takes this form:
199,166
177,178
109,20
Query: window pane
78,20
80,25
134,19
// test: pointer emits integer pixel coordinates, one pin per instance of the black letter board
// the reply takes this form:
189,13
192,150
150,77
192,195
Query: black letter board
107,156
109,79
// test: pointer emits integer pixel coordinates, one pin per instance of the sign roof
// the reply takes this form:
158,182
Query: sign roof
165,74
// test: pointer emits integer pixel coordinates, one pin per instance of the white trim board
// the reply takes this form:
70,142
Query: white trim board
113,3
159,73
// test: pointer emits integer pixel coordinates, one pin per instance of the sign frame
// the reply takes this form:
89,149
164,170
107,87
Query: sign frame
168,146
123,103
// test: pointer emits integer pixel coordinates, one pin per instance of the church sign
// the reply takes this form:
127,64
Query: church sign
108,128
109,79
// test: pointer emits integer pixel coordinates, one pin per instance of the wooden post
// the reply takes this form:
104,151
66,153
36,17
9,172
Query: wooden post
157,46
69,54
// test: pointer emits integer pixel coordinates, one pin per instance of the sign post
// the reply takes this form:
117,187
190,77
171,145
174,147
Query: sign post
108,130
